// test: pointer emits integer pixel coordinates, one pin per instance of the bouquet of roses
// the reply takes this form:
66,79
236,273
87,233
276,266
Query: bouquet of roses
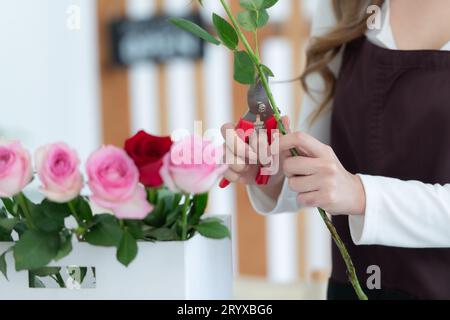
152,190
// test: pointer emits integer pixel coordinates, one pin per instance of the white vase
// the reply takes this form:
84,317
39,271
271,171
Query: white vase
200,268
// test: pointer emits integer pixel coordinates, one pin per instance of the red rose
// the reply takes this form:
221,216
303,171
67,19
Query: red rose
147,152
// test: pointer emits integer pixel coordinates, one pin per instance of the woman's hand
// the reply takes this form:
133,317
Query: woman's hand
245,160
319,177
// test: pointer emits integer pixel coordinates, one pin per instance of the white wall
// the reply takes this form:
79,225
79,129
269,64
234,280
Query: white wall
49,74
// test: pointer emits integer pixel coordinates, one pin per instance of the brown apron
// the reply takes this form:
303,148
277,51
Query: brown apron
391,118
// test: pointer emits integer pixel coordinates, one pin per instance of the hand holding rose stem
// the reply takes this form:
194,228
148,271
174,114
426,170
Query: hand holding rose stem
261,70
294,152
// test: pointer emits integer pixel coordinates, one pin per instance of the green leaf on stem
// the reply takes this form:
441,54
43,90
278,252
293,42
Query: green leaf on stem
46,219
213,229
55,210
83,209
267,71
3,213
106,231
156,218
162,234
35,249
172,217
200,202
20,228
255,5
253,20
65,246
83,273
3,265
195,29
34,282
244,70
46,271
127,250
135,228
226,32
166,209
5,236
269,3
9,205
8,224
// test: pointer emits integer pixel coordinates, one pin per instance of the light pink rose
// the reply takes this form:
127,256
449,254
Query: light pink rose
57,168
193,166
15,168
114,182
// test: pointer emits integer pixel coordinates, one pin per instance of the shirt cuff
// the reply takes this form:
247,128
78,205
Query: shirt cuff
363,229
265,205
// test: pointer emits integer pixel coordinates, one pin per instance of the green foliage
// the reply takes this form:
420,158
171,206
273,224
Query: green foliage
5,225
83,209
226,32
195,29
65,246
35,249
47,217
9,206
244,70
105,232
165,223
8,224
200,201
213,228
267,71
127,250
3,266
162,234
255,5
135,227
43,236
165,212
45,272
253,20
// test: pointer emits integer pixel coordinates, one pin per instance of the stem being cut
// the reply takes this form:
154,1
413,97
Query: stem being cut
353,278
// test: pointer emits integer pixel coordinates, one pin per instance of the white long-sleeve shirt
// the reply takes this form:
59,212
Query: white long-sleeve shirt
408,214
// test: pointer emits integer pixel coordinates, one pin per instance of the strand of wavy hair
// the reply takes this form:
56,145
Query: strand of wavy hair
351,24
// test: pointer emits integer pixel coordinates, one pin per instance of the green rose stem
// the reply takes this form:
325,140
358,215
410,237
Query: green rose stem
81,225
294,152
26,211
184,216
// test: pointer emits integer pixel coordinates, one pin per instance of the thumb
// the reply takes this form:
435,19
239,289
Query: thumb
287,125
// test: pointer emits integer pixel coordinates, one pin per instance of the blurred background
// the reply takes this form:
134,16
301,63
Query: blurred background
93,72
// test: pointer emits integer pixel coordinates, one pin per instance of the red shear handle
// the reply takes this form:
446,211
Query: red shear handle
245,130
224,183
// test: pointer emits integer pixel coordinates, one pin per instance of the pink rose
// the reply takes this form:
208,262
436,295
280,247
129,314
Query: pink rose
114,182
193,165
15,168
57,168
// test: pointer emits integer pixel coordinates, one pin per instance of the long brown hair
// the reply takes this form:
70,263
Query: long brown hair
351,24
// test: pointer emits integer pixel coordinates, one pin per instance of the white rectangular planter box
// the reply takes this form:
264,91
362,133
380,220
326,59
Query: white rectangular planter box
200,268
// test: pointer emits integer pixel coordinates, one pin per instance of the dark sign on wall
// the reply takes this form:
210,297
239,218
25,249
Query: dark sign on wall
155,40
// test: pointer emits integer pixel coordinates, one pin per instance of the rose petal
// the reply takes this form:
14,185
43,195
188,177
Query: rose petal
135,208
165,174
